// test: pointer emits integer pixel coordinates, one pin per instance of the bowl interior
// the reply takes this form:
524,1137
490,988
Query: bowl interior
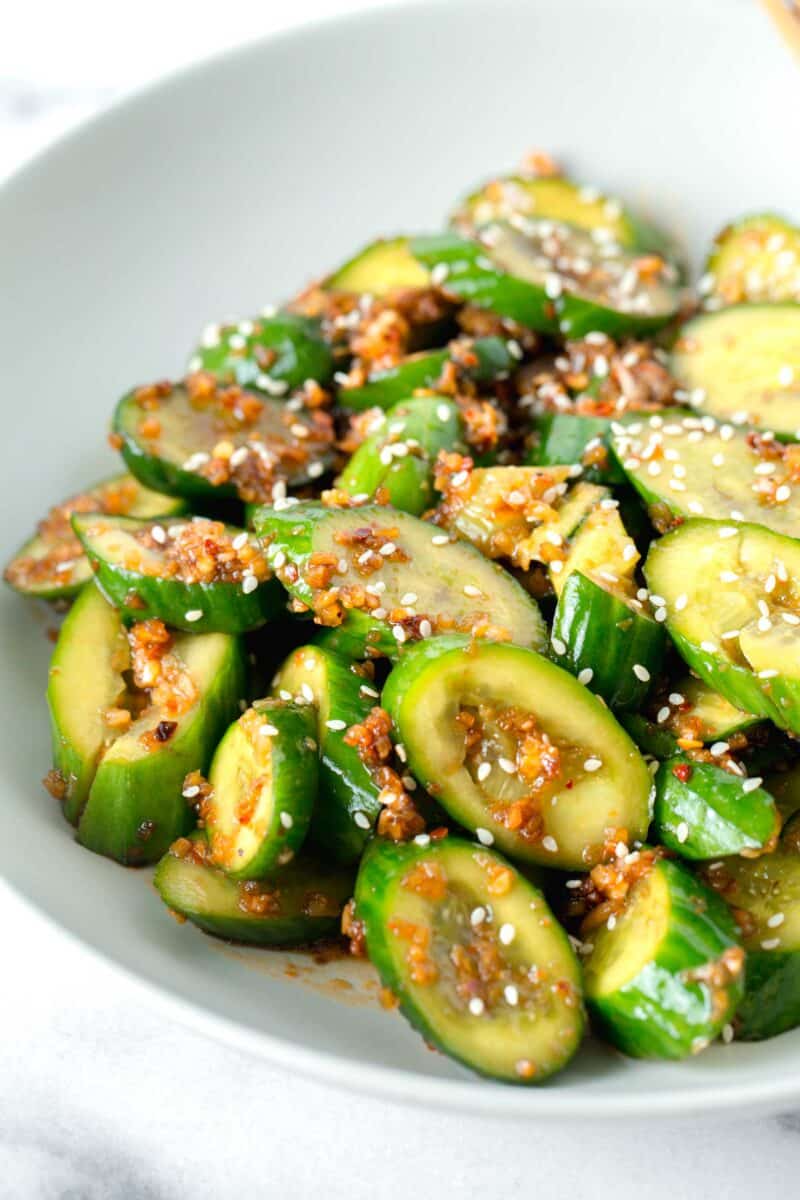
227,187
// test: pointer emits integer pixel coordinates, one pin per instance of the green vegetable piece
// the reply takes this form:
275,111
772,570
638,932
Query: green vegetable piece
400,452
430,913
516,750
666,976
381,546
753,260
160,569
300,904
51,564
703,811
349,796
270,354
263,781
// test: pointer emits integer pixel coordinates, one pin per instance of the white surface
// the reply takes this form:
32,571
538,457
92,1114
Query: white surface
100,1096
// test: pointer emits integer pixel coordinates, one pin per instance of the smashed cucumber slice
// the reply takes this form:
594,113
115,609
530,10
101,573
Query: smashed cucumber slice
399,454
552,278
263,781
382,267
195,575
431,914
342,696
743,365
201,440
733,608
703,811
271,354
121,752
516,750
666,976
687,465
51,564
752,260
410,578
301,903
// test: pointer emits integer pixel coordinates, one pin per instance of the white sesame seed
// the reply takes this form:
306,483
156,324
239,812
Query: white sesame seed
408,598
783,493
550,843
440,539
717,749
366,690
585,676
593,763
728,576
663,714
786,376
483,772
387,548
511,994
478,915
459,478
476,1006
770,943
439,273
361,819
425,628
287,820
191,791
708,647
681,602
422,839
682,832
158,534
775,920
728,531
194,614
675,698
641,672
471,590
307,692
336,725
558,645
769,673
505,764
484,836
660,615
398,633
268,730
507,932
751,784
695,507
249,584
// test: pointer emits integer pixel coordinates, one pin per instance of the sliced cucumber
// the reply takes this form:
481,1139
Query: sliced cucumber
85,682
703,811
731,596
574,438
667,975
271,354
765,896
379,269
483,360
194,575
606,639
349,795
135,807
263,782
554,198
474,955
524,514
398,456
744,364
688,466
692,712
51,564
383,578
516,750
599,547
200,439
754,259
298,905
553,278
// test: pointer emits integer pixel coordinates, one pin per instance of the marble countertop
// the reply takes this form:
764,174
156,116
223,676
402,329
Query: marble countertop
103,1097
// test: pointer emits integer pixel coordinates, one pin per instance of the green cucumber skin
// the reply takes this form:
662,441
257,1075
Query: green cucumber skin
381,865
124,796
771,1003
722,819
388,387
301,353
359,636
563,438
346,785
650,738
225,607
658,1014
516,299
294,776
601,632
232,923
408,480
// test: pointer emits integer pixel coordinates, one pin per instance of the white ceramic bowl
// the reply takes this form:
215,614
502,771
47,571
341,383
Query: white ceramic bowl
226,187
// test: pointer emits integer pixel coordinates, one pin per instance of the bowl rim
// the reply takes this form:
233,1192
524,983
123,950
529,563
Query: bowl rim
471,1095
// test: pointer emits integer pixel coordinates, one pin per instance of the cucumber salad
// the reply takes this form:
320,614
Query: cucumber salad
450,612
